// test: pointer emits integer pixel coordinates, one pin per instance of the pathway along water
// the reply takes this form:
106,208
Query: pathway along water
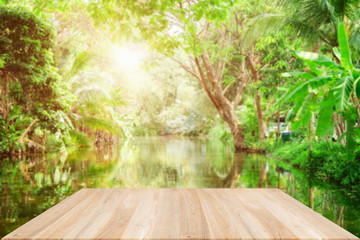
30,187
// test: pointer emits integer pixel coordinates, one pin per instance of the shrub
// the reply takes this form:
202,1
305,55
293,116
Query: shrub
328,161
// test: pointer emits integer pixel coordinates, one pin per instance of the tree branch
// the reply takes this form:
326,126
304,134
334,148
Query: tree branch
21,139
227,88
204,84
186,68
241,87
253,70
268,106
209,69
271,116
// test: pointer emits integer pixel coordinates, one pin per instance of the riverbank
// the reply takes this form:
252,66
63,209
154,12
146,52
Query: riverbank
30,186
327,162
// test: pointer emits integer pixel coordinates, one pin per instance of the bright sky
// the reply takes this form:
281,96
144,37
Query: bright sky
129,60
128,57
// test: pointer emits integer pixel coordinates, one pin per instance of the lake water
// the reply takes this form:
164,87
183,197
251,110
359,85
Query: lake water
34,184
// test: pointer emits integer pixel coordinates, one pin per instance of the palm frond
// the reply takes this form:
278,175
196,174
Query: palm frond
81,60
302,29
316,11
117,98
260,26
93,95
79,138
343,7
65,119
93,78
354,38
101,124
317,18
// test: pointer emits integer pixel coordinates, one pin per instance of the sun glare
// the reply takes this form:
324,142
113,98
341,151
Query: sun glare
126,57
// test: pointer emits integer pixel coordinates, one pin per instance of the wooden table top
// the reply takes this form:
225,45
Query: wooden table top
112,214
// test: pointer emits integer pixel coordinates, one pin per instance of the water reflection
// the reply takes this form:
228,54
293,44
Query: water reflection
32,185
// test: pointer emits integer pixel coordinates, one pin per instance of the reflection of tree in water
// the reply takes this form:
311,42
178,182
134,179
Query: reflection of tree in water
229,177
25,184
262,176
236,168
159,162
323,198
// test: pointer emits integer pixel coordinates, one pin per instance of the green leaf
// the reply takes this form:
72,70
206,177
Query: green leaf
291,74
297,90
301,88
342,92
350,132
260,26
303,116
357,87
325,123
293,111
305,75
313,67
319,81
336,52
344,47
66,119
317,59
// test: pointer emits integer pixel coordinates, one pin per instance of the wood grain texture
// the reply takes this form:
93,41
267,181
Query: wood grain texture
159,214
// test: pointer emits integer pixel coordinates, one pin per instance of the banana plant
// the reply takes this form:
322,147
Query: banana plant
327,88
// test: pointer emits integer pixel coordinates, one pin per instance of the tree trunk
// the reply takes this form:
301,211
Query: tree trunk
260,116
210,78
238,135
227,113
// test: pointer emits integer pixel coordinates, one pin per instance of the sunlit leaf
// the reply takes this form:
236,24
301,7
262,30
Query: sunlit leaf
344,47
342,92
325,125
317,59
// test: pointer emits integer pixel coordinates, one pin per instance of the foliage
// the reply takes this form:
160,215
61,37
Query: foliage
329,86
11,130
276,54
209,33
166,101
327,162
79,138
318,20
91,99
221,131
26,44
29,82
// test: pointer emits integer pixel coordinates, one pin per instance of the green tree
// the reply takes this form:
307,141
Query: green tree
271,55
165,100
319,19
209,32
94,110
329,89
29,81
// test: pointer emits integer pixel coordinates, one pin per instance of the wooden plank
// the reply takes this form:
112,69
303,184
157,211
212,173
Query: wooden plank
154,214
